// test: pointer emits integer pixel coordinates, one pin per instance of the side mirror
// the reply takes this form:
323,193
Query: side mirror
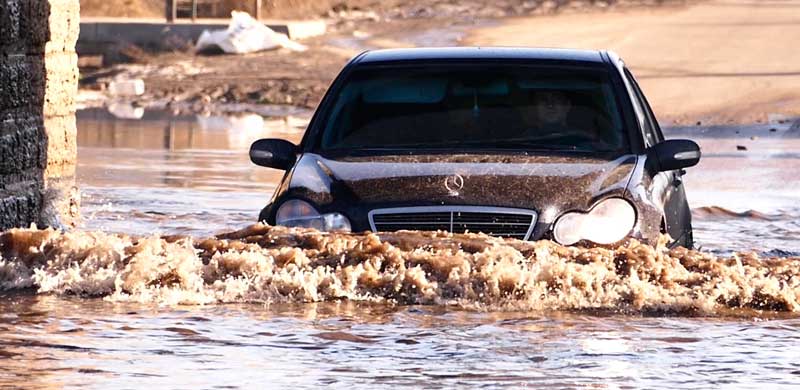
674,154
273,153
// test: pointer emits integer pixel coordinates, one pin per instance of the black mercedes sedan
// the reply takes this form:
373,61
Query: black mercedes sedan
513,142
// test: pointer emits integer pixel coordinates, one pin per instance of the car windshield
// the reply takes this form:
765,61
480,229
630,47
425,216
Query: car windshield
475,107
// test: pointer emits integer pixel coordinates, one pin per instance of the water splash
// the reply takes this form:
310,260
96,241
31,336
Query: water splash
275,264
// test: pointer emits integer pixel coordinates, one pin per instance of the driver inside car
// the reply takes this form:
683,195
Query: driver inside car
554,115
551,111
548,114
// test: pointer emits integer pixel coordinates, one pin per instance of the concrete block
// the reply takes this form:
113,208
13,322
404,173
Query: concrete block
26,26
61,202
34,29
61,146
61,83
22,81
13,182
9,23
64,22
303,29
20,208
38,83
23,145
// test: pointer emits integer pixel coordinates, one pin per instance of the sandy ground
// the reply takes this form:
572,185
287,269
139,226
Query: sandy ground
718,61
732,61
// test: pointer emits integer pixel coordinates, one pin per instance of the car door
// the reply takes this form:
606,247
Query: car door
677,215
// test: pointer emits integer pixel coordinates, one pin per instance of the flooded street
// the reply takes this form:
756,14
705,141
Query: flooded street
95,344
176,174
178,317
745,194
192,175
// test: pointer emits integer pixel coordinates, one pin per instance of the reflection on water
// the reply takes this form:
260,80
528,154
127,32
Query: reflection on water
161,130
175,174
54,342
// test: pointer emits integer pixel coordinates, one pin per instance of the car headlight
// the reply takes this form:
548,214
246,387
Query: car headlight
606,223
297,213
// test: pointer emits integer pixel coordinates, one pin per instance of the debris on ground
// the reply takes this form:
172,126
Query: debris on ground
132,87
244,35
180,81
126,111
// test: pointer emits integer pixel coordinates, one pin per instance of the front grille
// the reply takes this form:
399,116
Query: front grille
495,221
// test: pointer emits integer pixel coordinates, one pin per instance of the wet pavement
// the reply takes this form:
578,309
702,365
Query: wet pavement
191,175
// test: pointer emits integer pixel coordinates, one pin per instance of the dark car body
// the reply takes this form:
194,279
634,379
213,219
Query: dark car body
516,193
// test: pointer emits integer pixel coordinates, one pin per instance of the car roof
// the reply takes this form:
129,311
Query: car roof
480,53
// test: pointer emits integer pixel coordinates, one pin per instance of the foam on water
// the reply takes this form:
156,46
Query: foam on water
275,264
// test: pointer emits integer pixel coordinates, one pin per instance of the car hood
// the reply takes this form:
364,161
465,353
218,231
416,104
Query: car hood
537,182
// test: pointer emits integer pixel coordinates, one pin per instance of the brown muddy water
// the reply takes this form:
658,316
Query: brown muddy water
138,297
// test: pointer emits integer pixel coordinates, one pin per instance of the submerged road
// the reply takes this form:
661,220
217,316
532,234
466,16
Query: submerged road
725,61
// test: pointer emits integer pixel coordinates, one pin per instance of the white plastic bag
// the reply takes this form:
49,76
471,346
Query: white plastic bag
245,35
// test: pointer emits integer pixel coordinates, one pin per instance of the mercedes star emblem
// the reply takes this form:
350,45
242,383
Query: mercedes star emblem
454,184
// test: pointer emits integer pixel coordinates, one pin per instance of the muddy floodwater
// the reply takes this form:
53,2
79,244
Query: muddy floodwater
141,295
176,174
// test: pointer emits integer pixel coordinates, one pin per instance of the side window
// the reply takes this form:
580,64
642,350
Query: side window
653,121
648,121
637,108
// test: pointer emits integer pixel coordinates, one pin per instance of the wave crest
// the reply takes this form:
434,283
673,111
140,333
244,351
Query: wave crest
272,264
